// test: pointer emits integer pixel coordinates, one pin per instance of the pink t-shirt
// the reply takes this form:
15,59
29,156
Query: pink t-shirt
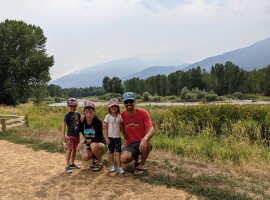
136,126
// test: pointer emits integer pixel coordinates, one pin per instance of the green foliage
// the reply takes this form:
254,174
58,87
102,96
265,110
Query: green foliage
111,95
155,98
238,95
146,97
82,92
55,91
113,85
24,62
223,79
197,95
253,122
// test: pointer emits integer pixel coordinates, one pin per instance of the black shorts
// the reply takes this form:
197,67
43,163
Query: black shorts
133,148
115,144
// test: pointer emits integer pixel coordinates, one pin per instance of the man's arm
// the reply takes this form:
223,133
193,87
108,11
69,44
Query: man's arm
145,141
149,134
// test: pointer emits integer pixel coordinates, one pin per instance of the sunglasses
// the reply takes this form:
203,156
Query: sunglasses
72,105
89,109
129,101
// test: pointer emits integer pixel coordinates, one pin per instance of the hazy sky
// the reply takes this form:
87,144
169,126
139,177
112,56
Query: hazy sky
82,33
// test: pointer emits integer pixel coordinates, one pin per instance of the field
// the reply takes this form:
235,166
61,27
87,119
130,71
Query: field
200,152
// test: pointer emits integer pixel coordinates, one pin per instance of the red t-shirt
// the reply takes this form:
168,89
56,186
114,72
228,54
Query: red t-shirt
136,126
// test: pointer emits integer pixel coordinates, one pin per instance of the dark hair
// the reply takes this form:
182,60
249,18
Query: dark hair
118,110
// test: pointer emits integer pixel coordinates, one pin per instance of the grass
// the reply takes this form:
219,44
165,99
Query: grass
203,165
35,144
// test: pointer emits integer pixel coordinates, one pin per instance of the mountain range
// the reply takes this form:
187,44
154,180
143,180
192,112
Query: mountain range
255,56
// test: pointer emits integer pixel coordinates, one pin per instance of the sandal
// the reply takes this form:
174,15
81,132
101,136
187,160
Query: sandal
97,167
139,171
92,163
136,164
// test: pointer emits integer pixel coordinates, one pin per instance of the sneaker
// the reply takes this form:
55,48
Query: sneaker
112,168
74,166
68,169
121,170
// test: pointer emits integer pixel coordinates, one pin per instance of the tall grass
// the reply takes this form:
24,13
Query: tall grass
211,149
231,133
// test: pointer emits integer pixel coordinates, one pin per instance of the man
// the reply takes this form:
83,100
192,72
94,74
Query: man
138,131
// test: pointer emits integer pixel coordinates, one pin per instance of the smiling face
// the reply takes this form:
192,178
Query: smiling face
89,112
129,104
72,108
114,109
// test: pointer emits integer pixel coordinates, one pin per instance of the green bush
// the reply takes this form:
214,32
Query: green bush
146,97
252,121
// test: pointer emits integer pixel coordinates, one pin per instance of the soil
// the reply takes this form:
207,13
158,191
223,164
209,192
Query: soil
29,174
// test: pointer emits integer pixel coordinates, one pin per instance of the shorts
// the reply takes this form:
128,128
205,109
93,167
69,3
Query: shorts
87,147
115,144
133,148
103,147
73,142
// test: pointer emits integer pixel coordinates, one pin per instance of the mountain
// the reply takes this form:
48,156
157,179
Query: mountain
153,71
93,76
248,58
251,57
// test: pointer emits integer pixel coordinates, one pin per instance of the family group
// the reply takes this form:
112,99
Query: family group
100,136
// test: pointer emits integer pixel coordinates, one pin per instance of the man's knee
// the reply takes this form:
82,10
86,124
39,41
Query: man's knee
126,157
86,157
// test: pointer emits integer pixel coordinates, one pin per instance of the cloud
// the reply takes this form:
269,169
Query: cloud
82,33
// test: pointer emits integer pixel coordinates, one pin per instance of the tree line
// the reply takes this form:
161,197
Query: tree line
223,79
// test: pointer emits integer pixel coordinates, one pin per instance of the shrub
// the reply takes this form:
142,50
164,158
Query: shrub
145,97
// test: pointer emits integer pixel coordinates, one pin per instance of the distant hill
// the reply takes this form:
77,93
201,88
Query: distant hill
251,57
93,76
154,70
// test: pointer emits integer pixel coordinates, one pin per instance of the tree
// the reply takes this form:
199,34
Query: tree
55,90
106,84
266,88
117,86
196,78
112,85
24,62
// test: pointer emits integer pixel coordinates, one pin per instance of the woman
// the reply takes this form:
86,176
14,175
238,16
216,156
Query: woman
95,143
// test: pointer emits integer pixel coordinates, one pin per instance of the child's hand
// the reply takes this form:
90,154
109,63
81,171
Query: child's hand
66,139
79,146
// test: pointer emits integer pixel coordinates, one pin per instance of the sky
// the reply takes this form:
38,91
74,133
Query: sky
84,33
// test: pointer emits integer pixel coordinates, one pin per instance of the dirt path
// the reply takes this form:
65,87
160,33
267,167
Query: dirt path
28,174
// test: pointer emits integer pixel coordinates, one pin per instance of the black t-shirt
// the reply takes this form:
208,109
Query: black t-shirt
93,131
72,120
